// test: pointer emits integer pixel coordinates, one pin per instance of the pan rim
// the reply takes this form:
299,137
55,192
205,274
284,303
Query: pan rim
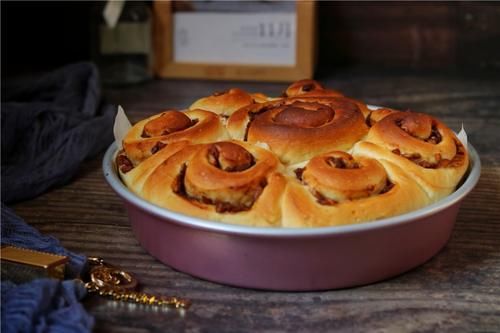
113,179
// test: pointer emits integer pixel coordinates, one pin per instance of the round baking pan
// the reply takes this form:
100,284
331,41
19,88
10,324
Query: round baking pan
292,258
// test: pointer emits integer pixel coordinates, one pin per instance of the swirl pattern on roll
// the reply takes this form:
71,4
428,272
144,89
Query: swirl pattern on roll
423,146
337,188
225,103
309,88
374,116
135,176
224,181
309,158
150,135
298,128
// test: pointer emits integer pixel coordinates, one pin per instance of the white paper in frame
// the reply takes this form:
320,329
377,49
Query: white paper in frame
266,46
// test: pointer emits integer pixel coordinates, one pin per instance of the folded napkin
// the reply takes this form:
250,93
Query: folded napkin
50,124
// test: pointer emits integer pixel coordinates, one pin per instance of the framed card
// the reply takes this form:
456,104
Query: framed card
257,40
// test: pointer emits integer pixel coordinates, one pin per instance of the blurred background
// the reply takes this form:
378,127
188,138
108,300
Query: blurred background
457,36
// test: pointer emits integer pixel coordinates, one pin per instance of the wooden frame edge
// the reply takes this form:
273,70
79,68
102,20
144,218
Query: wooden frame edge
164,67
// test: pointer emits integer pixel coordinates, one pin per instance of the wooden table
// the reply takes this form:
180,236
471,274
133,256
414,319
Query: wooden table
458,290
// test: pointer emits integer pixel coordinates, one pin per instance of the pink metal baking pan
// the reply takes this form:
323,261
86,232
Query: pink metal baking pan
292,259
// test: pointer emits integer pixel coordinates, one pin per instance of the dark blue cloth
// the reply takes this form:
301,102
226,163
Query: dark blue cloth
44,305
17,233
49,126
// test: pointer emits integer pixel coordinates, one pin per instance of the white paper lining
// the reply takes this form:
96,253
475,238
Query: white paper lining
121,127
462,136
112,12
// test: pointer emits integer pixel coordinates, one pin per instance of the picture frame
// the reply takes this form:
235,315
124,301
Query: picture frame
165,64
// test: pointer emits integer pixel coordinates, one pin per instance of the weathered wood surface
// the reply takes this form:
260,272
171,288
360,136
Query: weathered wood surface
456,291
417,34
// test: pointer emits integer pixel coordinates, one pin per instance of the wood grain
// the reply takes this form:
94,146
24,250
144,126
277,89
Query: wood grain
410,34
456,291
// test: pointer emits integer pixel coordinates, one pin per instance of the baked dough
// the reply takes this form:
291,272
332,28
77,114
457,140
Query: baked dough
297,129
309,158
228,181
150,135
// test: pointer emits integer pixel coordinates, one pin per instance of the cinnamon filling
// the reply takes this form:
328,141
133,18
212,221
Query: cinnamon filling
299,172
369,121
157,147
227,207
179,188
322,200
435,136
308,87
459,156
441,162
340,163
301,87
388,186
123,162
253,115
417,159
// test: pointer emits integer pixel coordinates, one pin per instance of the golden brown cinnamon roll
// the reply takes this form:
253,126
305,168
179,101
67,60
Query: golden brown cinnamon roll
422,146
225,103
337,188
374,116
309,88
343,163
298,128
150,135
135,176
225,181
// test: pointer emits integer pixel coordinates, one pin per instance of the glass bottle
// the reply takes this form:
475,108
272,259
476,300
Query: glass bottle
123,52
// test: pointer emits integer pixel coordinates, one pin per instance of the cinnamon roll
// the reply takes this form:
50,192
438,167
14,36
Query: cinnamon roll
226,181
150,135
298,128
309,88
337,188
309,158
226,102
422,146
374,116
135,176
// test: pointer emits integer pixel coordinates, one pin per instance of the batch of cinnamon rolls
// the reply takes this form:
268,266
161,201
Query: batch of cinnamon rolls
309,158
